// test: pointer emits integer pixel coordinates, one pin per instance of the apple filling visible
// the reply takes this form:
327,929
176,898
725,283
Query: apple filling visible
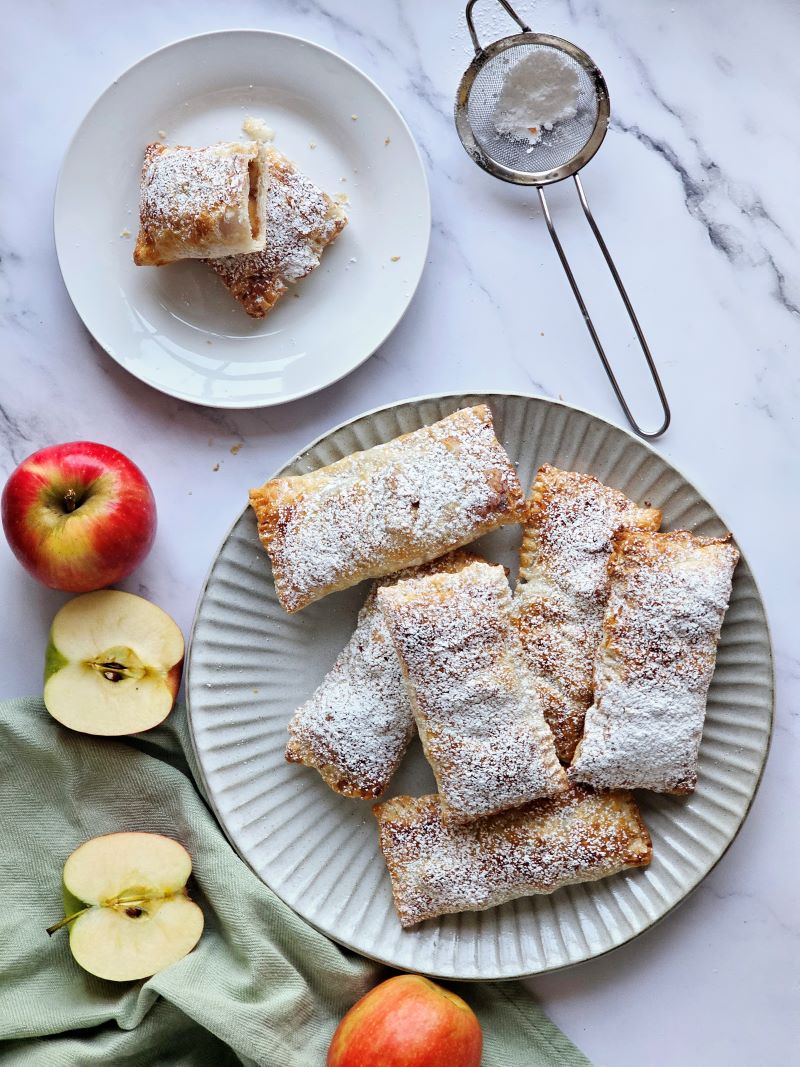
254,174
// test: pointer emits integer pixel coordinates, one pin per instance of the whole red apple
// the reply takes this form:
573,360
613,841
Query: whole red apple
79,516
408,1021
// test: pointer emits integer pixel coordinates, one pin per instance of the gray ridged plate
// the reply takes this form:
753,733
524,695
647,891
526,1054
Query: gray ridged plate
250,665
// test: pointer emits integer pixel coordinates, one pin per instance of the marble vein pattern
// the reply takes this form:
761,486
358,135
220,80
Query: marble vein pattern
695,189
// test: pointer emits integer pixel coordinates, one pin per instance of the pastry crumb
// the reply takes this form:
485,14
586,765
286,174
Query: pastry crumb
354,118
125,233
311,144
162,134
341,198
257,129
395,259
387,140
215,467
236,449
353,259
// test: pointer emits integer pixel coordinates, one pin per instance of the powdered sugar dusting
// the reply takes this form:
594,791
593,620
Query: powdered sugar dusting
395,505
193,194
669,594
301,221
563,588
477,713
538,91
436,868
357,725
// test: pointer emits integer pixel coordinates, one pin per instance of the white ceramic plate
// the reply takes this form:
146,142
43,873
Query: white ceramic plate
176,327
250,665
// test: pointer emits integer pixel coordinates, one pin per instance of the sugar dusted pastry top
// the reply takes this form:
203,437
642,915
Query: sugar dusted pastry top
396,505
563,587
301,221
356,726
435,868
669,594
478,715
198,202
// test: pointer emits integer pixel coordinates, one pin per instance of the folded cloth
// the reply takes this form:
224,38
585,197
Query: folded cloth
261,987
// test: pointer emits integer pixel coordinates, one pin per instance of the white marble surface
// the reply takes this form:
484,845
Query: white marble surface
695,187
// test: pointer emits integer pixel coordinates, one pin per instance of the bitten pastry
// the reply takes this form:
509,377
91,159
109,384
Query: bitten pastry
357,725
199,202
394,506
435,868
301,222
669,594
562,590
478,716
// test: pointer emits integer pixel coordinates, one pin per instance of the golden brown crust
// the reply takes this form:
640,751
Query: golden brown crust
563,587
394,506
437,869
197,202
669,593
301,222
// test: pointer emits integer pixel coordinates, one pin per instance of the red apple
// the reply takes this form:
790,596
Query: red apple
79,516
408,1021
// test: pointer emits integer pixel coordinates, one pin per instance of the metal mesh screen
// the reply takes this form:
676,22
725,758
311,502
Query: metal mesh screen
557,146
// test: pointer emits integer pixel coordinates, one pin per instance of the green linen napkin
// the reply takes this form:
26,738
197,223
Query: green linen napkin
262,987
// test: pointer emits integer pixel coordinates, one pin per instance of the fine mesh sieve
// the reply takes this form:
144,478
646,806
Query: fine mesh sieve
559,154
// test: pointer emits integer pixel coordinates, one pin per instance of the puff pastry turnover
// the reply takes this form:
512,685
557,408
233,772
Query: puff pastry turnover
436,868
669,594
478,715
563,588
394,506
357,725
301,222
199,202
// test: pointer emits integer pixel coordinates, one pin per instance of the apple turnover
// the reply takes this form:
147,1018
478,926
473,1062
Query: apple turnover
478,715
563,588
200,202
437,868
357,725
301,221
394,506
668,595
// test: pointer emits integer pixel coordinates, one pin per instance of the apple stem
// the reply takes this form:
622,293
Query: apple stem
65,921
70,500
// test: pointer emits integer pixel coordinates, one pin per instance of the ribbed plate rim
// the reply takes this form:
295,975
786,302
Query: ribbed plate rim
463,399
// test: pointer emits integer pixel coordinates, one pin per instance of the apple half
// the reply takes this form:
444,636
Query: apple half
113,664
126,904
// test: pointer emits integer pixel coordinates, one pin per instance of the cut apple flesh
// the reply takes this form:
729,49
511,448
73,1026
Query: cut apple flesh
113,664
124,944
133,917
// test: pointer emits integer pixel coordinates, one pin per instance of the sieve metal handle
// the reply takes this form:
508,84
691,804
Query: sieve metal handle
588,319
471,25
